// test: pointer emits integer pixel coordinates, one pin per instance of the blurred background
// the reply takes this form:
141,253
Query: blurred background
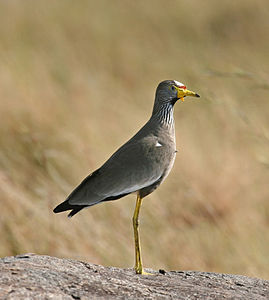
78,78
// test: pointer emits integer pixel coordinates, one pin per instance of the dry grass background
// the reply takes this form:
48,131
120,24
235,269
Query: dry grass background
77,79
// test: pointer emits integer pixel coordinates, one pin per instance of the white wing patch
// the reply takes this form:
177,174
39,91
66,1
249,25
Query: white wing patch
158,144
177,83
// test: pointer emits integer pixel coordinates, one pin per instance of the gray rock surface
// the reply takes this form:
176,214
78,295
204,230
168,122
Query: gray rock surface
31,276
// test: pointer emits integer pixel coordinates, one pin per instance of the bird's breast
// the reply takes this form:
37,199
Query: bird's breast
162,152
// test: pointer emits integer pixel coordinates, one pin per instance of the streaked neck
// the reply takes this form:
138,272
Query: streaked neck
164,114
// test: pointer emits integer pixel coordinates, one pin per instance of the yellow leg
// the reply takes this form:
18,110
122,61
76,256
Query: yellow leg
138,260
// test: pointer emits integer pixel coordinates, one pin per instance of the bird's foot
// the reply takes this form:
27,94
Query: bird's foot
146,273
141,271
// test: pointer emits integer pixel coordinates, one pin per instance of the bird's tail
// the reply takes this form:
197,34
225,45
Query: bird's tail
67,206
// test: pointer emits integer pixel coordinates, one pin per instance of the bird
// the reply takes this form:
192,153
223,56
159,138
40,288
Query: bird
138,166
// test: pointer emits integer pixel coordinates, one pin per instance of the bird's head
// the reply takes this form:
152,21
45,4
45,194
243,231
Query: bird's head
171,90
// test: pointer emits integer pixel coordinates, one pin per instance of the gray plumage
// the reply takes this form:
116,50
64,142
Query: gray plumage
140,165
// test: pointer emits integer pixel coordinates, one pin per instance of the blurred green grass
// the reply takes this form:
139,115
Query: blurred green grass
77,79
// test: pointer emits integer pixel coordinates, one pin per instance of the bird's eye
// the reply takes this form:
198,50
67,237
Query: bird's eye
173,88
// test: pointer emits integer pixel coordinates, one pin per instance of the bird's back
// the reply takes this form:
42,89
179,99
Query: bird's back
142,163
143,160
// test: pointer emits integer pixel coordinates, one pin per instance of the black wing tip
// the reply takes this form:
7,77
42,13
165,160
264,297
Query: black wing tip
56,210
64,206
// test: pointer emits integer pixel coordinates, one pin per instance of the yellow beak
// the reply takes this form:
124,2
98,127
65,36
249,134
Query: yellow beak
181,93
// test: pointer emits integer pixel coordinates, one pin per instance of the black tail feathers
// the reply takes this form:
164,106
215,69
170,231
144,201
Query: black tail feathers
66,206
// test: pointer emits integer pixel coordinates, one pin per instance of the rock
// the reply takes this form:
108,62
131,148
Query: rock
31,276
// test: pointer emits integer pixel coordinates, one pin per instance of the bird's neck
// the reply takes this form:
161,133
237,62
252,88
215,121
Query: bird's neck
164,115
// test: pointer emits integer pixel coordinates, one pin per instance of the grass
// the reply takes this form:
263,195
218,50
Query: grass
77,79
